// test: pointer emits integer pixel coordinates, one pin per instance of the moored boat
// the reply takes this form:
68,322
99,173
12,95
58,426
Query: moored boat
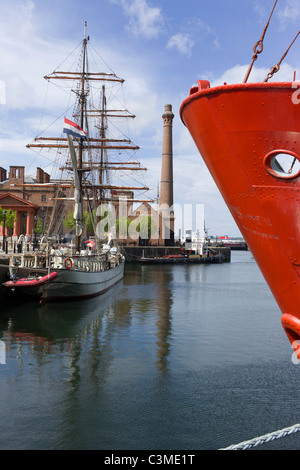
88,268
182,259
67,276
249,137
35,281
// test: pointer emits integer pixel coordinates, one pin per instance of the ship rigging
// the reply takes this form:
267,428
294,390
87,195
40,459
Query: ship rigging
95,166
88,154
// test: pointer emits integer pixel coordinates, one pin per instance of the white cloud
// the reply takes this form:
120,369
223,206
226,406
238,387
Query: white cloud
290,13
32,104
258,74
140,97
16,20
182,42
198,30
260,10
143,19
193,185
25,57
203,29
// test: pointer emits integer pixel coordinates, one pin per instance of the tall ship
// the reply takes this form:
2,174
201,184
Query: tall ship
87,155
249,137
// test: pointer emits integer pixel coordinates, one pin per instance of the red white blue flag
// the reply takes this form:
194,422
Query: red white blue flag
72,128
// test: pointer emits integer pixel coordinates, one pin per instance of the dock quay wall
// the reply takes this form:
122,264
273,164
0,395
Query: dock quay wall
134,253
4,265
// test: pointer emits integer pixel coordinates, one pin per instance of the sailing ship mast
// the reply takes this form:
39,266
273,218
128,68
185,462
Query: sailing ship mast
82,98
78,213
101,143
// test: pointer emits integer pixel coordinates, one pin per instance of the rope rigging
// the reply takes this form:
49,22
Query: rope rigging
276,67
258,47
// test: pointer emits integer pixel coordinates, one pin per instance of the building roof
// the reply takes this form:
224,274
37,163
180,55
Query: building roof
15,202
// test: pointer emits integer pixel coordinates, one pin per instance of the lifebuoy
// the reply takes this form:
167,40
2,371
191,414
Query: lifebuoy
291,325
68,263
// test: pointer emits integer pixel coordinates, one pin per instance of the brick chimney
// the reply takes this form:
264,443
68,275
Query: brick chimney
3,175
166,184
39,175
16,174
46,177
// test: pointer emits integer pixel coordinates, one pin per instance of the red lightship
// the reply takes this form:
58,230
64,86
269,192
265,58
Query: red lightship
249,137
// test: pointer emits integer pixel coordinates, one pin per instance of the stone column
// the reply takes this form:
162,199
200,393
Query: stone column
15,232
31,223
28,223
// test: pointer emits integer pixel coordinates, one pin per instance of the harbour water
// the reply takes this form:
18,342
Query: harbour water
179,357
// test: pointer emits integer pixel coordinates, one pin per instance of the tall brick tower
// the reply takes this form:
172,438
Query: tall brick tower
166,184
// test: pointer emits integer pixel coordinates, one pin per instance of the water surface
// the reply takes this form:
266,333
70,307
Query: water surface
176,357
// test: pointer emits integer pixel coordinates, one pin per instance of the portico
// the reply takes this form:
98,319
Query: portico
25,210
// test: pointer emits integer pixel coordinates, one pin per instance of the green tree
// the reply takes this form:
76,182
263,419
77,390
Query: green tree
146,227
38,226
122,227
88,222
69,221
105,215
10,218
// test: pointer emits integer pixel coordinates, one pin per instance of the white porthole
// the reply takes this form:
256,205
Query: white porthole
283,164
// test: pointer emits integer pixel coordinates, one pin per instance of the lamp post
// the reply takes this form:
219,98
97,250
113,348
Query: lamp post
25,230
25,222
34,230
4,218
43,219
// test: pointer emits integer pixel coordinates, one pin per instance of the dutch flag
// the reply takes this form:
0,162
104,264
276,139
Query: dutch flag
72,128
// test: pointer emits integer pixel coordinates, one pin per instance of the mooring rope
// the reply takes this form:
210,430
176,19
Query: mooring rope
266,438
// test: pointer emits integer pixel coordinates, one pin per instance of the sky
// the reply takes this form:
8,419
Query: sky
161,48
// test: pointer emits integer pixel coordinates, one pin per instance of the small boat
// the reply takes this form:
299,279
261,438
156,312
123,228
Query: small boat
182,259
249,137
32,281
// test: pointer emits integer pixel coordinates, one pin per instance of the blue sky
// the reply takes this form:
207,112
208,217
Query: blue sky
161,48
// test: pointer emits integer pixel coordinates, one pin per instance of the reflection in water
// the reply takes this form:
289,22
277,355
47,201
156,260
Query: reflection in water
175,357
164,304
83,346
52,329
75,329
157,299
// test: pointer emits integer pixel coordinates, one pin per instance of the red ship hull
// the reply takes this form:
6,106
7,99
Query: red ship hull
242,131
